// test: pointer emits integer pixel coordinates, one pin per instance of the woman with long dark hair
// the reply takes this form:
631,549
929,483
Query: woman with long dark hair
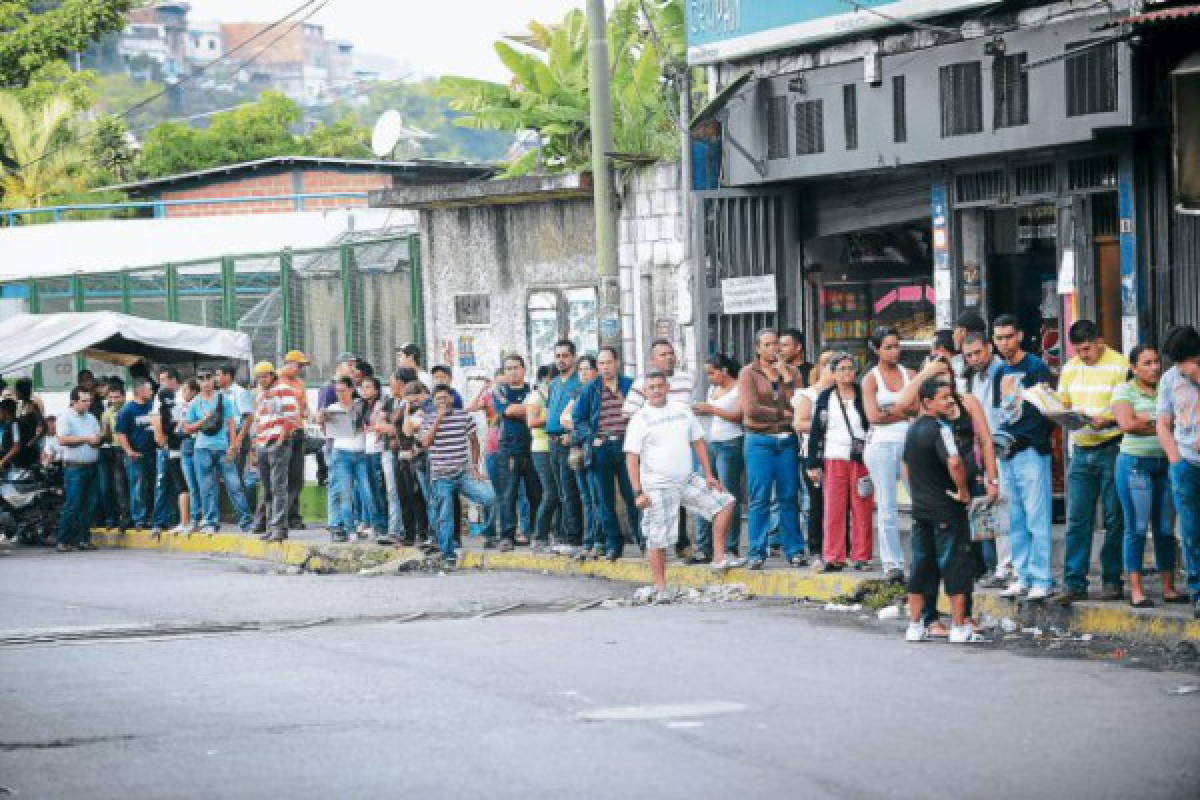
721,415
1143,483
835,463
881,389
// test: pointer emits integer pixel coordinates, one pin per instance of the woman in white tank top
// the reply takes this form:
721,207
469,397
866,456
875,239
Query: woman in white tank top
885,444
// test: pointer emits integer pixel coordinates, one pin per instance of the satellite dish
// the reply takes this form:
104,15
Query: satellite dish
388,130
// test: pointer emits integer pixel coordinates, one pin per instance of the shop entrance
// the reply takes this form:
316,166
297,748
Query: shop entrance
1022,275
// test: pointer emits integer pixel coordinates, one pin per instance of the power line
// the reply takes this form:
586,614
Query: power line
146,101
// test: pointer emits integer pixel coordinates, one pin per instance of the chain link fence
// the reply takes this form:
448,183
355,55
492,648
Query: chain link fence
361,295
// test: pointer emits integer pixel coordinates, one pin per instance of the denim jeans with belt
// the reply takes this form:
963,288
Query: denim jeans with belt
570,503
547,516
349,475
727,462
1144,488
1185,483
445,489
609,473
79,503
1092,477
208,463
883,463
1025,479
771,466
140,475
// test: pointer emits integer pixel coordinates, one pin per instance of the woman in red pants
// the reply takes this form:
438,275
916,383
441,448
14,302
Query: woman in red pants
835,462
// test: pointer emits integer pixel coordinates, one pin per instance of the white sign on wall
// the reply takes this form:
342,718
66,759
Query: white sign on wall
751,295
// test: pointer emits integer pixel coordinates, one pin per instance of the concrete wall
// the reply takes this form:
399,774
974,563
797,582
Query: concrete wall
654,264
506,251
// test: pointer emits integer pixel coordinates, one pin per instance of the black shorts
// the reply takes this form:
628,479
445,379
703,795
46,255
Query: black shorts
175,470
941,552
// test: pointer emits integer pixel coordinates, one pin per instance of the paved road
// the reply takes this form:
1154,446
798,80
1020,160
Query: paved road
684,701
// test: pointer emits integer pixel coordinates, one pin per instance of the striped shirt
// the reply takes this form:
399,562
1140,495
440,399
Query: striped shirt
276,413
449,451
612,421
681,389
1089,388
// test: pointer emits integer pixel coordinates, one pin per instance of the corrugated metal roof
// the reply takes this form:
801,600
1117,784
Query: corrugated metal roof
1164,15
421,168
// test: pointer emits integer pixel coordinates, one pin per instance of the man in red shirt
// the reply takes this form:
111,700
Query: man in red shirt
277,413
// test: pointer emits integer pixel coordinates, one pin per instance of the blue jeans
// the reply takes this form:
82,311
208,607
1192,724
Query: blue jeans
883,464
379,496
1091,477
728,463
79,504
421,468
510,472
207,463
187,460
1185,482
1145,492
140,472
349,477
166,493
548,510
610,472
392,491
771,466
1025,478
593,531
477,491
570,503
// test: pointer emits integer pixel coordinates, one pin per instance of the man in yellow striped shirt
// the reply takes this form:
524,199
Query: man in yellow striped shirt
1086,385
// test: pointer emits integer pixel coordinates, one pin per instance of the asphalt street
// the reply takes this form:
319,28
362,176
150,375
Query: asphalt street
141,675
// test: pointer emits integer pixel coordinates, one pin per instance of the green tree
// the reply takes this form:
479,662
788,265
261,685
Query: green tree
109,155
257,130
35,33
548,92
41,156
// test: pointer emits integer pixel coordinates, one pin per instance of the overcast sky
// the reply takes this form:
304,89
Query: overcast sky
436,37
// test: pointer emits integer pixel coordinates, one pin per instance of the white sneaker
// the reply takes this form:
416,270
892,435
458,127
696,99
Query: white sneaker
209,529
1015,589
916,633
961,634
1038,593
728,563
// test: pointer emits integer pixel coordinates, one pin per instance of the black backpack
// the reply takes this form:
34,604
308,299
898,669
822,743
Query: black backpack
213,427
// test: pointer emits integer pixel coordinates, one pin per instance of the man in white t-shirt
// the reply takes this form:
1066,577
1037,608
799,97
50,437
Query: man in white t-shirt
659,444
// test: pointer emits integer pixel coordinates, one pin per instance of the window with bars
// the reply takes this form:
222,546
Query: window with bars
850,115
777,127
1035,179
899,113
1010,90
810,127
962,98
1091,78
1097,172
976,187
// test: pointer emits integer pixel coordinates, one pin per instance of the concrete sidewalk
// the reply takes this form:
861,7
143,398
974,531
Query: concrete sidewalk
311,551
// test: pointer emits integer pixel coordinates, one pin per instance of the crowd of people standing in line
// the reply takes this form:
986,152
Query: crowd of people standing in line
814,453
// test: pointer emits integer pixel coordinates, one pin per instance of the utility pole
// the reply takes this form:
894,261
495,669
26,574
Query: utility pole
600,93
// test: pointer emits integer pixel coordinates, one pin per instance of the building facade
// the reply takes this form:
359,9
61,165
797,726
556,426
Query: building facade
897,163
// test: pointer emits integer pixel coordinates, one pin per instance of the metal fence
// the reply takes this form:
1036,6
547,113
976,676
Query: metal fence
362,295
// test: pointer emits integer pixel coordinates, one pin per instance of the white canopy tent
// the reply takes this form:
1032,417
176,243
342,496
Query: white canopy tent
28,339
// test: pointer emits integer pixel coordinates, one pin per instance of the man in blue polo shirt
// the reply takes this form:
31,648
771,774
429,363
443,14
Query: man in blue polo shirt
135,436
563,389
514,464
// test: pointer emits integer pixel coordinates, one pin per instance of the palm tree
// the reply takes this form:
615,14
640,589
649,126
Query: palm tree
548,92
40,155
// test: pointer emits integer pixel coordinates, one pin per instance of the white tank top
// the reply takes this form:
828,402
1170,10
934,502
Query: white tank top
892,431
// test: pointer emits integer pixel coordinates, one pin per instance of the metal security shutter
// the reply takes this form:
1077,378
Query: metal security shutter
740,234
846,206
1185,273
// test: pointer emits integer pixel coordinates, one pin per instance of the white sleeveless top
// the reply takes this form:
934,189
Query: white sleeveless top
893,432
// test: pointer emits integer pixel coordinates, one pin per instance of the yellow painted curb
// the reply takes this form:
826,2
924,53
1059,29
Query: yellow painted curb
322,557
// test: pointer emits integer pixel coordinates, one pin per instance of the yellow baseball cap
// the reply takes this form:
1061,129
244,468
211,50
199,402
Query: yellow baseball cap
297,356
264,368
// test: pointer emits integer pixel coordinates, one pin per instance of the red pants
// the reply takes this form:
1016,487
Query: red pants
841,495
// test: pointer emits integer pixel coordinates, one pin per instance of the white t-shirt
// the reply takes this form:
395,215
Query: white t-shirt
357,442
722,430
837,437
662,438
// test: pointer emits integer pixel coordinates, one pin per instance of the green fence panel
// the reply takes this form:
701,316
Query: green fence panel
201,296
317,309
55,296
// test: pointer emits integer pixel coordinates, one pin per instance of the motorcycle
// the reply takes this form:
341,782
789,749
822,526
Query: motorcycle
31,501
